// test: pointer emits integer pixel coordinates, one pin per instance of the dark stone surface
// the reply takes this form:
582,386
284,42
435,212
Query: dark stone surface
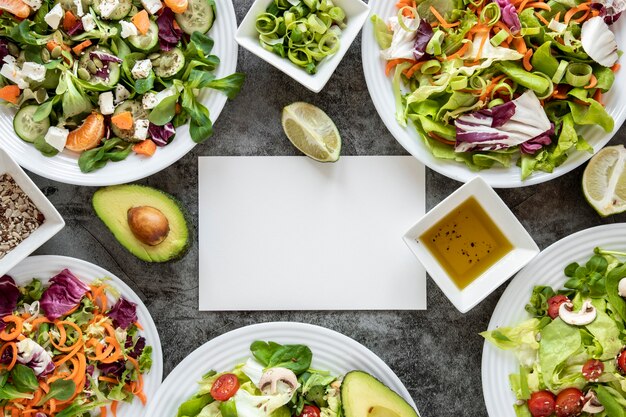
436,353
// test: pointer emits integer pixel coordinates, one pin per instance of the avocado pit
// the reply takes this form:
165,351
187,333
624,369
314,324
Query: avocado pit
148,224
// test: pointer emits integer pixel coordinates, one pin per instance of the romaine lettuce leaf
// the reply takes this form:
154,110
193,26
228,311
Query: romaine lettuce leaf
521,340
558,342
605,331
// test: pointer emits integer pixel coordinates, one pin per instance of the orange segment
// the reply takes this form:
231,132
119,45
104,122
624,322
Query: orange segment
88,135
123,120
142,21
16,7
177,6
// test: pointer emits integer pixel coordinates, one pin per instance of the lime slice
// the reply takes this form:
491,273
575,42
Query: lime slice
312,131
604,181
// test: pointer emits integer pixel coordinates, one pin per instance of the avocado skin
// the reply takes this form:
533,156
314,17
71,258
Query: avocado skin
361,392
111,205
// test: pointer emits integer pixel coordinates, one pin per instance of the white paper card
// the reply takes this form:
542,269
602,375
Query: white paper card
289,233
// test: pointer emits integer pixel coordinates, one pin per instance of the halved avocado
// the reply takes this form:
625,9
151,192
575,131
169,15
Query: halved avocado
150,236
362,395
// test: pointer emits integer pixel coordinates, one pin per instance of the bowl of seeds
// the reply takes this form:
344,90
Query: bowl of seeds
27,218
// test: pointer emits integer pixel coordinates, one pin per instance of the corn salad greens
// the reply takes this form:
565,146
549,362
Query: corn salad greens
304,31
106,78
572,348
498,82
66,351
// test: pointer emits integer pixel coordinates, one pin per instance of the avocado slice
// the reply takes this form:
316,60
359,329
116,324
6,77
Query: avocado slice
362,395
112,205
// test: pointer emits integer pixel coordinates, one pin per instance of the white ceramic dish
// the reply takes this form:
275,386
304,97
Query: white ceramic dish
546,269
64,166
45,267
50,227
248,37
524,247
332,351
380,90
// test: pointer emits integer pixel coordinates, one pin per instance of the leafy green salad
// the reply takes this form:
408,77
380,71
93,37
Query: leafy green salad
501,82
572,351
107,78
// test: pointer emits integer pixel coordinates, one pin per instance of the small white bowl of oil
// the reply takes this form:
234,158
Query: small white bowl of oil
470,244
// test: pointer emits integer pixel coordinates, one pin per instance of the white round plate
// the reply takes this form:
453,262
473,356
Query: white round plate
332,351
45,267
546,269
64,166
379,86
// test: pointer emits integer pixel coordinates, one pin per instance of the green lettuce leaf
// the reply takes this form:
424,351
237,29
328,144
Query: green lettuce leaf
559,341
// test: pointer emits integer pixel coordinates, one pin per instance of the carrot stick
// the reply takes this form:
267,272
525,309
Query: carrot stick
409,72
557,16
543,20
460,52
441,20
583,17
114,408
540,5
79,48
390,65
480,49
571,12
616,67
592,83
597,96
520,45
526,61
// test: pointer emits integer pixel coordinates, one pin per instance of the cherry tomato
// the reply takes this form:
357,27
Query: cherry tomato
225,387
569,403
621,361
310,411
541,404
592,370
554,303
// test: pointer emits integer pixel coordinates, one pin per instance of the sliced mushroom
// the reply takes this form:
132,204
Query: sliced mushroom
592,405
586,315
621,287
270,378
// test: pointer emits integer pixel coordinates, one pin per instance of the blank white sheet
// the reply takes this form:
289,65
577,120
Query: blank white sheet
289,233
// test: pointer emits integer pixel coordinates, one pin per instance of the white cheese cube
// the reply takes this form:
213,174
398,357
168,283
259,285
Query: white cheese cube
11,72
56,137
107,7
149,100
128,29
34,71
121,93
105,100
152,6
53,17
79,8
33,4
141,129
89,23
141,69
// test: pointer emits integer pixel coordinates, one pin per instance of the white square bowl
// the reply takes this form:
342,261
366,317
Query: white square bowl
248,37
524,247
52,224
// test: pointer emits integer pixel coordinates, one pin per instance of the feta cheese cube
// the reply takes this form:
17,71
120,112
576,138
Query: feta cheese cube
149,100
79,8
105,100
121,93
141,69
107,7
53,17
128,29
152,6
56,137
11,72
89,23
33,4
141,129
34,71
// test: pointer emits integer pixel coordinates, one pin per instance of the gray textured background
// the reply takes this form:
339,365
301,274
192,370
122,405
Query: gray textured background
436,353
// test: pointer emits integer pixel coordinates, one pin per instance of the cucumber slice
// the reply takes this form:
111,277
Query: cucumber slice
88,64
121,9
138,112
198,17
147,42
26,128
169,63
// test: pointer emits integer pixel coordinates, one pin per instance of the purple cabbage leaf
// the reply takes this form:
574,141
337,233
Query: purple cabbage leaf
509,16
63,294
123,313
169,33
161,135
510,124
9,294
424,35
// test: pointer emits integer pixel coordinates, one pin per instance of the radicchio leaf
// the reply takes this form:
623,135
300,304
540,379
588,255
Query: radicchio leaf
169,35
4,49
31,354
532,146
137,350
112,369
63,294
610,10
9,294
123,313
161,135
105,57
424,34
76,29
504,126
509,15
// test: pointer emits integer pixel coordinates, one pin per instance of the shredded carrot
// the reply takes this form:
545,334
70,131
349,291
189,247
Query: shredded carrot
103,412
17,328
409,72
114,408
560,93
583,17
460,52
10,93
480,48
108,379
557,16
540,5
522,5
138,325
616,67
79,48
491,86
441,20
592,83
526,61
597,96
440,139
520,45
571,12
543,20
390,65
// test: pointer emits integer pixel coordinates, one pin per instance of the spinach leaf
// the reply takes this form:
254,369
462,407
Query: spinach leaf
588,279
295,357
202,42
60,389
114,149
263,351
194,405
45,109
9,392
24,378
230,85
200,125
165,111
44,147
